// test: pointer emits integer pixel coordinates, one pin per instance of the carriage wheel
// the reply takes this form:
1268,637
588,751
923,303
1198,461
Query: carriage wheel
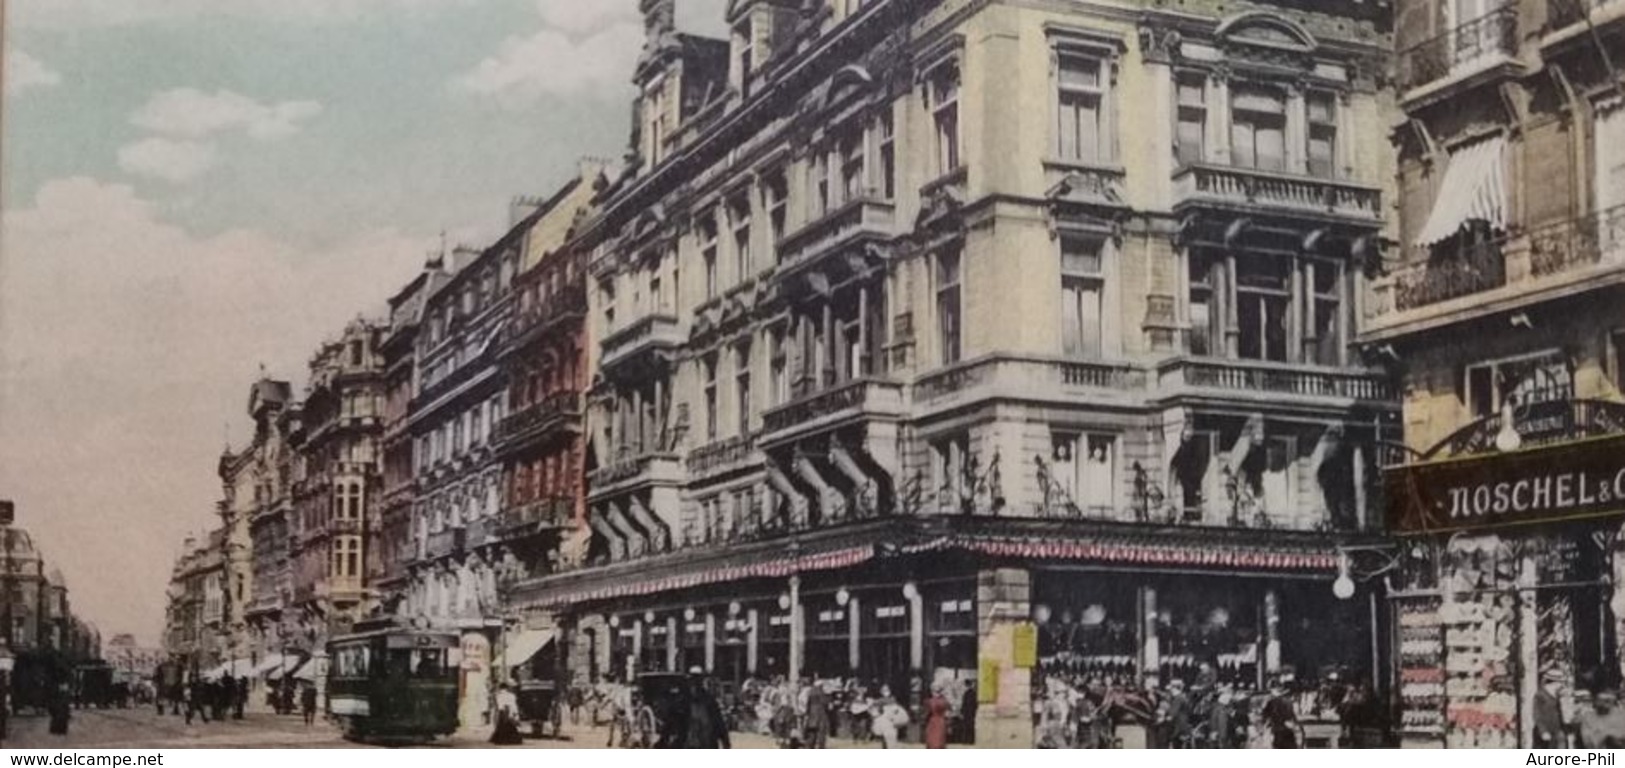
645,728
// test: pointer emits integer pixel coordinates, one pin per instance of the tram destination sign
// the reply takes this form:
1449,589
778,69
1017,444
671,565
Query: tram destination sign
1568,481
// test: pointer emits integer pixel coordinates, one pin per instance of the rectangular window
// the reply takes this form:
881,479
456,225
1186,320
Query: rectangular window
778,373
1082,289
1518,381
850,151
1263,296
1203,333
942,100
1322,135
1323,339
709,372
949,319
888,153
739,214
746,45
1191,137
951,467
1616,347
818,174
776,191
1085,467
1258,130
1081,96
708,252
742,393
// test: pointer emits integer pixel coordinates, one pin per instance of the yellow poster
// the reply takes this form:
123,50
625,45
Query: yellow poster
987,682
1026,642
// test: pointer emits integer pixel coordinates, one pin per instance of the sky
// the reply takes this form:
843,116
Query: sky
195,188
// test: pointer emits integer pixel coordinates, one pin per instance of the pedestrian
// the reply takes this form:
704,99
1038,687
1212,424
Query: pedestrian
506,732
307,703
815,720
1281,719
195,695
225,695
706,727
936,719
1602,726
890,718
1550,732
60,708
242,698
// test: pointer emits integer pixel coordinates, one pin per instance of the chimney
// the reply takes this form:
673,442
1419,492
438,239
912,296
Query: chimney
523,206
659,21
462,256
588,169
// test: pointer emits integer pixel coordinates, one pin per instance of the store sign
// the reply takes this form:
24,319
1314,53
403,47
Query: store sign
1575,480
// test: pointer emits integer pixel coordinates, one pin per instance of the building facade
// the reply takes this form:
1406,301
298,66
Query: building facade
335,483
987,343
1501,306
195,632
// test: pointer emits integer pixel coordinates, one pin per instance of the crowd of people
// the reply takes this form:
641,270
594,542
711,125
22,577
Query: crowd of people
210,699
805,713
1090,713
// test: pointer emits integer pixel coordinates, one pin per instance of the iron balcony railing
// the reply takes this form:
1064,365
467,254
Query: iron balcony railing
1470,269
1461,49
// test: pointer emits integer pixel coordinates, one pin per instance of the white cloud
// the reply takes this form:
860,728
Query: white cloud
24,72
190,113
174,161
550,63
127,343
577,16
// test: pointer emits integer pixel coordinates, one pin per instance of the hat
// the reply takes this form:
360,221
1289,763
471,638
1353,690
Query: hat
1552,676
696,671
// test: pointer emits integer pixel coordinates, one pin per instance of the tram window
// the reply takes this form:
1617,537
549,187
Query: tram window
428,663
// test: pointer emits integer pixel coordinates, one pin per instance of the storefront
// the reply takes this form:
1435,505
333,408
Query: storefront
1508,562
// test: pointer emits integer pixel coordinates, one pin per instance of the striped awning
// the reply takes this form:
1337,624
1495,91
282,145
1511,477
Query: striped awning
1474,189
771,569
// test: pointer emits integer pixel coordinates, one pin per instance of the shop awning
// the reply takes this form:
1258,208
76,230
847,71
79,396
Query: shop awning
306,672
525,644
274,664
779,567
1473,189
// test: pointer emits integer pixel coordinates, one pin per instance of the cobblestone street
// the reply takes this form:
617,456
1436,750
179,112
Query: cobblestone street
144,729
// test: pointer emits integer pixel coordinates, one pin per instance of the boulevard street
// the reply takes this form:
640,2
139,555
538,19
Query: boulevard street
143,729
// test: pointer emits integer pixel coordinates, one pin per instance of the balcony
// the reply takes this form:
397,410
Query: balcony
1474,269
541,514
866,218
722,456
851,401
650,334
447,543
1033,378
1565,19
1477,51
1546,262
341,526
1248,189
569,304
560,409
635,472
1270,381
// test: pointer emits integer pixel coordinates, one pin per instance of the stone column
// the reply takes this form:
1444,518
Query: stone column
751,644
916,627
1272,631
710,642
797,626
637,645
1150,643
672,639
1297,131
854,634
1003,604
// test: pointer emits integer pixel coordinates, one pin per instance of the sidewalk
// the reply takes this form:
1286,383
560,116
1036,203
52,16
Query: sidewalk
596,737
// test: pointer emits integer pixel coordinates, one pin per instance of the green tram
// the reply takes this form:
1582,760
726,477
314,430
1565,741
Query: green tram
393,684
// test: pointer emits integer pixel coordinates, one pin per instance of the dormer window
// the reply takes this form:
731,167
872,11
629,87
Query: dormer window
745,54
